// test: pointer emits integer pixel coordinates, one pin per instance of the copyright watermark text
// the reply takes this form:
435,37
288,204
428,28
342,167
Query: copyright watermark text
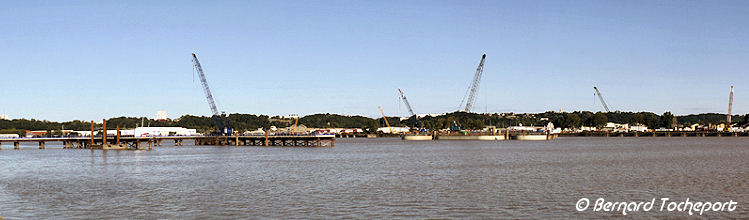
661,205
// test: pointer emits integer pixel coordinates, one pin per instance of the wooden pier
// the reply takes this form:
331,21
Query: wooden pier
140,143
118,142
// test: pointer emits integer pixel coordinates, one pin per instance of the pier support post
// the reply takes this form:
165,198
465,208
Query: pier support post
266,138
118,135
16,145
236,142
92,132
41,144
150,144
104,136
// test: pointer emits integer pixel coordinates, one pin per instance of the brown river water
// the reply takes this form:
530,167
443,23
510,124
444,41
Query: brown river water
380,178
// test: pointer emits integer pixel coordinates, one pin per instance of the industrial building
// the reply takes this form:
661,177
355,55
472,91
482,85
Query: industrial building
163,131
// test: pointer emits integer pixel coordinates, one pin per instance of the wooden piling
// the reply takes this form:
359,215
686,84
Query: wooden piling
266,138
41,144
104,129
16,145
92,132
236,142
118,134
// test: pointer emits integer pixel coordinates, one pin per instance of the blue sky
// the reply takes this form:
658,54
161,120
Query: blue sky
87,60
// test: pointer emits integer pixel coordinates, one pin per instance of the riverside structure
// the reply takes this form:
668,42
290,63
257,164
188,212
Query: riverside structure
138,143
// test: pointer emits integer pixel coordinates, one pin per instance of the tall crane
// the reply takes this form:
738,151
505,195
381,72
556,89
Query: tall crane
471,92
730,105
410,110
223,126
296,121
386,119
598,93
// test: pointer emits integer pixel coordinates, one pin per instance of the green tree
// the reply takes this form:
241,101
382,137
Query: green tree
667,120
638,118
600,120
572,121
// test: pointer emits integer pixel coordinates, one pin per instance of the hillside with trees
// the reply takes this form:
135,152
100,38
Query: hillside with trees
245,122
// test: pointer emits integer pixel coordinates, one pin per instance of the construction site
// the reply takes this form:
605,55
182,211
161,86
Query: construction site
447,126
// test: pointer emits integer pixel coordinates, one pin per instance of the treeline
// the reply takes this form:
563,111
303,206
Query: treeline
245,122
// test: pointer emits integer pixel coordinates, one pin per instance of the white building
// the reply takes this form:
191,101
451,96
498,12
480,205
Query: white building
163,131
615,127
638,128
4,116
161,116
339,130
9,136
396,130
259,131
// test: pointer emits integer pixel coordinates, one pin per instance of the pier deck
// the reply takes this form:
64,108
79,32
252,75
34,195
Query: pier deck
149,142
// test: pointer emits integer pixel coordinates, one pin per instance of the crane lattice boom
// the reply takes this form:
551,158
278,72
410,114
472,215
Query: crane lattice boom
410,110
386,119
600,97
216,115
730,106
474,85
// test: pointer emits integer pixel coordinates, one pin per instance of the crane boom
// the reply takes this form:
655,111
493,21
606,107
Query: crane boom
216,115
475,85
386,119
600,97
410,110
730,106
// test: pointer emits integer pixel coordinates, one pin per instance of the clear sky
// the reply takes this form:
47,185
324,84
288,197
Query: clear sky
87,60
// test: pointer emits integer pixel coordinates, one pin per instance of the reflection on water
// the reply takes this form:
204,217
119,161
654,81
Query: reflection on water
374,178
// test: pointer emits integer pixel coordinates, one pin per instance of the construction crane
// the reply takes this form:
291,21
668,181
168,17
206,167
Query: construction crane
598,93
295,116
410,110
471,92
386,119
219,118
730,105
